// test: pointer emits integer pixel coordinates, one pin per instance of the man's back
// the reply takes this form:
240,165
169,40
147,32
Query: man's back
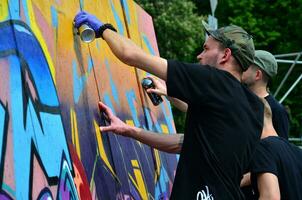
223,126
277,156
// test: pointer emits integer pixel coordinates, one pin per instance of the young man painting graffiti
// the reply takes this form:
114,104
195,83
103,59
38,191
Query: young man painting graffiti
224,119
256,78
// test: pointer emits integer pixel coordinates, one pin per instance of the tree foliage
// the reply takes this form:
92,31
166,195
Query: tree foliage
178,27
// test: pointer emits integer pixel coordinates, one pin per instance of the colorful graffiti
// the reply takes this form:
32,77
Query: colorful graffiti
50,83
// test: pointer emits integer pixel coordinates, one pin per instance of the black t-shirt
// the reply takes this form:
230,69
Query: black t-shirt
223,126
280,117
277,156
281,125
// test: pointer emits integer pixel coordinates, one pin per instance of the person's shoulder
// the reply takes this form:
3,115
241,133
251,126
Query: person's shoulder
270,140
253,99
172,62
198,69
282,148
275,105
275,143
272,101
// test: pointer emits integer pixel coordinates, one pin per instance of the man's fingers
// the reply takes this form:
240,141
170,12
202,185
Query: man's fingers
155,81
151,77
101,106
80,14
150,90
156,91
79,19
105,128
106,109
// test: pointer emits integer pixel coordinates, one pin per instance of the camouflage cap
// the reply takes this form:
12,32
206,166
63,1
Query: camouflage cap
238,40
266,61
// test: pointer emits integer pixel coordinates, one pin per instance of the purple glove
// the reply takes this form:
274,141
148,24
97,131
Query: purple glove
86,18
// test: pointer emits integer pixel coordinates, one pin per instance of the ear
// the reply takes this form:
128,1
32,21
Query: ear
258,75
227,53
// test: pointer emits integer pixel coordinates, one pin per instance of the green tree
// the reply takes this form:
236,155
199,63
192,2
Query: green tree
178,27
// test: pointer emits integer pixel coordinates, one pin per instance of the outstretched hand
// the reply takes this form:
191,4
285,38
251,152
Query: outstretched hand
89,19
160,87
116,126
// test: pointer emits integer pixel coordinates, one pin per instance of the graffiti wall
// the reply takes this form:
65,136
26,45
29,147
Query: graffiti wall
50,83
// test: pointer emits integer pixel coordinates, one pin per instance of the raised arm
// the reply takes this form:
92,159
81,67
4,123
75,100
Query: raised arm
167,143
179,104
123,48
268,186
129,53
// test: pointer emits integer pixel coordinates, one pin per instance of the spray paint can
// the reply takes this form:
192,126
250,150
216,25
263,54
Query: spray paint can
86,33
155,98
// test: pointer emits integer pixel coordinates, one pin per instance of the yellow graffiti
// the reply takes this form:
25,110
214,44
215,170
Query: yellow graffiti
101,148
157,165
138,182
74,132
164,128
143,73
3,10
130,122
35,29
132,24
92,183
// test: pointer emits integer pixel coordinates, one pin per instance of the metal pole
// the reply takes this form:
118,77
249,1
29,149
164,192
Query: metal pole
291,88
288,61
287,74
287,55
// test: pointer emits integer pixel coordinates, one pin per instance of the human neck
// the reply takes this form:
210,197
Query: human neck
235,73
227,66
268,131
259,90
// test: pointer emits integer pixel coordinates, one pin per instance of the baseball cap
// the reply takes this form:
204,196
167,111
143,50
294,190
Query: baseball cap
266,61
238,40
